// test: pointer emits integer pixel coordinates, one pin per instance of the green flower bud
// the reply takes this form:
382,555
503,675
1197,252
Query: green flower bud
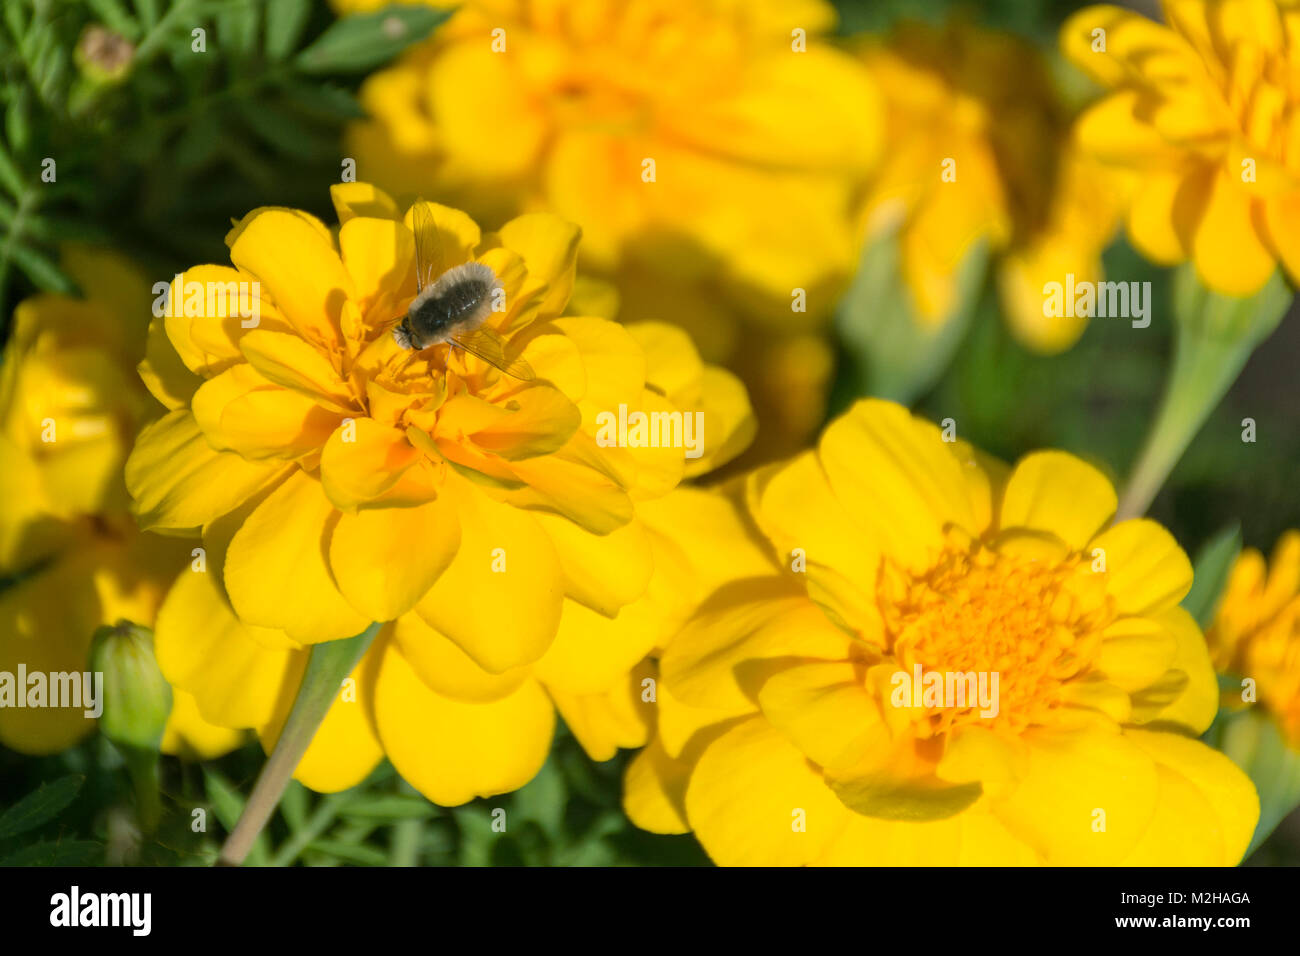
137,698
103,55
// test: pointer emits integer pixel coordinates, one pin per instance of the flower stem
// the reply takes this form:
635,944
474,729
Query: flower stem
1213,337
327,667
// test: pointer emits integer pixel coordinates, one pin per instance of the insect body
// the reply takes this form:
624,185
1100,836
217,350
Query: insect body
456,303
452,308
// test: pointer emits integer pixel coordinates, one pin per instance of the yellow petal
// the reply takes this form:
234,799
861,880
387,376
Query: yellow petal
654,790
1136,652
163,372
290,361
824,708
46,623
1229,251
453,751
1188,693
499,600
496,133
604,572
386,559
189,735
897,477
1055,492
242,411
235,677
446,669
276,573
748,622
549,247
618,717
179,481
1075,783
361,199
797,509
591,651
210,310
755,800
300,269
1154,223
379,254
1146,569
362,459
1207,807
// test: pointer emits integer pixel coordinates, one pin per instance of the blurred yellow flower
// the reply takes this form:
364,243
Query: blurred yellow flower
71,558
337,479
818,713
1200,111
980,153
1256,630
710,151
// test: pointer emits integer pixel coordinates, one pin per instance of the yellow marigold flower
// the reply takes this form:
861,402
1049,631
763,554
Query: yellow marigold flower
711,152
980,153
71,558
1256,629
1200,111
788,732
337,479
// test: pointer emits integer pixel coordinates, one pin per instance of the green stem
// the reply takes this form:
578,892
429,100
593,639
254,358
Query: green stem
143,769
327,667
1213,337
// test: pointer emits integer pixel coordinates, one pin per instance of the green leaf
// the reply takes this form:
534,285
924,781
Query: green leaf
389,807
1255,744
1213,562
18,120
62,853
39,806
237,22
285,20
542,801
41,270
356,44
892,353
349,853
115,17
293,805
10,177
323,100
283,132
228,804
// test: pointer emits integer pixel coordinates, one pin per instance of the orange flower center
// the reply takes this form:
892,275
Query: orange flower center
1006,630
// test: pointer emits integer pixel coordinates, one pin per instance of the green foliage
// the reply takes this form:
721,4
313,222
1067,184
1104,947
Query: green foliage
39,806
29,817
163,119
1211,567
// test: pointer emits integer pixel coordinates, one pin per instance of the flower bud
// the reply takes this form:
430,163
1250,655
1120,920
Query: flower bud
137,698
103,55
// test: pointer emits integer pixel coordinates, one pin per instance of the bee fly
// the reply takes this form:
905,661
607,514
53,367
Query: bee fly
452,308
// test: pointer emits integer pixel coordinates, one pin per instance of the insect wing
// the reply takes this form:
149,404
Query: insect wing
486,345
428,244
